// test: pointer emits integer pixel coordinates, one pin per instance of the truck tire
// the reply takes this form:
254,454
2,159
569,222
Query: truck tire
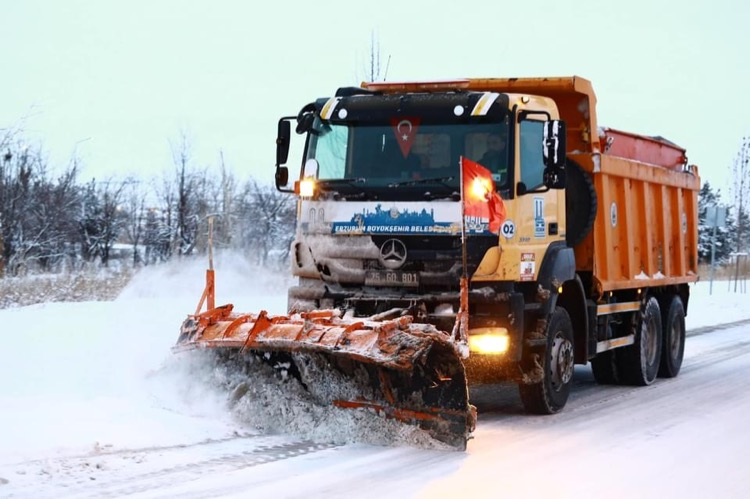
550,394
638,364
673,348
604,367
581,203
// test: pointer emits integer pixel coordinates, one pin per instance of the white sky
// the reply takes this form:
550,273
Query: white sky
116,81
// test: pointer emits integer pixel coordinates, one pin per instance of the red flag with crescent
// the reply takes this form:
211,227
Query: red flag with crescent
479,196
405,129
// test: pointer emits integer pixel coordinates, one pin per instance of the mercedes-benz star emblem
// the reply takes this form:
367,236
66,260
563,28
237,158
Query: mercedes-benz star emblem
392,254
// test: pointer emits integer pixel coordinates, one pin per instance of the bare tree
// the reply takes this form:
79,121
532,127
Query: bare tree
37,228
373,69
102,218
189,197
226,205
267,223
51,218
135,215
159,229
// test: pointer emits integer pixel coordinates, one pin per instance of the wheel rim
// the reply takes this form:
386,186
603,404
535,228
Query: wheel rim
650,341
561,361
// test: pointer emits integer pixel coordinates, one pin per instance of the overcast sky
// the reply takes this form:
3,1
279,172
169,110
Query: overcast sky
117,81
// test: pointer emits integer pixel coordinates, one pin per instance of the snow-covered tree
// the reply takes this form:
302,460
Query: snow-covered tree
157,236
707,197
741,194
266,221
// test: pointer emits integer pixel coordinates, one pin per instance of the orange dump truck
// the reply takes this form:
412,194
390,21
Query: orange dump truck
400,288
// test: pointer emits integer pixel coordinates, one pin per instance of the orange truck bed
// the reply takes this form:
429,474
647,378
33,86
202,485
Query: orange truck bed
644,233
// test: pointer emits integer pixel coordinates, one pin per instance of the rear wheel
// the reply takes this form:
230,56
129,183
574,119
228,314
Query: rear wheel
673,348
638,364
550,394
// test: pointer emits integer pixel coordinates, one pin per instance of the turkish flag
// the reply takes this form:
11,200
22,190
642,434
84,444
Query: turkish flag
405,130
479,196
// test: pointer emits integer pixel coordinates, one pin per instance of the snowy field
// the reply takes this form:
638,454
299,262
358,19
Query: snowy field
93,404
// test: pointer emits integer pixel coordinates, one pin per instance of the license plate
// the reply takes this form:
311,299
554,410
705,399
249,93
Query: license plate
391,278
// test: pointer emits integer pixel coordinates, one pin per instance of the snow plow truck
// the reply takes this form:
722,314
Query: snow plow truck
471,231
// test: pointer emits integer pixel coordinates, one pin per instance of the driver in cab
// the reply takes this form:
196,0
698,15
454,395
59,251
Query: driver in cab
495,158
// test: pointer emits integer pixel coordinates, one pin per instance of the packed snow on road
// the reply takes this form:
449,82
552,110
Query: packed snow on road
95,404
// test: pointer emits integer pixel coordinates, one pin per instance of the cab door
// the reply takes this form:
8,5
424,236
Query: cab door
538,212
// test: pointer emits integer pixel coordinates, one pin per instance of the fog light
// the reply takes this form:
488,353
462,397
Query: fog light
489,340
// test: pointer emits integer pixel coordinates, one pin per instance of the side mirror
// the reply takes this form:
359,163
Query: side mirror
554,154
282,176
305,123
554,143
282,142
305,119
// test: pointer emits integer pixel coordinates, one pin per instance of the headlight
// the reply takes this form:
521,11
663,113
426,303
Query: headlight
489,340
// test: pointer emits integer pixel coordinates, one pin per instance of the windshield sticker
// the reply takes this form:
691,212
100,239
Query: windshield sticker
405,131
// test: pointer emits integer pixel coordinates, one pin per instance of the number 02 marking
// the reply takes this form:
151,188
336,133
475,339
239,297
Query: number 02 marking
508,229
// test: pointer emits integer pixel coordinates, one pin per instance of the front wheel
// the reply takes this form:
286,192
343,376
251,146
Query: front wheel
549,395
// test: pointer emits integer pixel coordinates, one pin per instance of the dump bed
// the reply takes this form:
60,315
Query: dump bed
645,228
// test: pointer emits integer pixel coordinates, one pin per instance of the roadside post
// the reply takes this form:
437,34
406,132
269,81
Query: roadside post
716,216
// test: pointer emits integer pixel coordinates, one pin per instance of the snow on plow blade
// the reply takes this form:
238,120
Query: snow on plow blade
409,372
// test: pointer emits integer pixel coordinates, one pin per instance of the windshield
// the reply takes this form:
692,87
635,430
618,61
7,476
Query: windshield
406,151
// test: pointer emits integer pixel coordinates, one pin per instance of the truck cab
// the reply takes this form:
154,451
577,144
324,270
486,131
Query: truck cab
381,229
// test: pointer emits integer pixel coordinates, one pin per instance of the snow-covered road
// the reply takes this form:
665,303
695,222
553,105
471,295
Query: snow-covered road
92,405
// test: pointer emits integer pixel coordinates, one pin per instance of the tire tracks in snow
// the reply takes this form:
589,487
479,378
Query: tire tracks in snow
108,450
587,396
611,394
134,471
716,327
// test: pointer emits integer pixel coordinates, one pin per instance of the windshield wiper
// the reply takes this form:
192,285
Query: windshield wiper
453,196
341,181
345,188
418,181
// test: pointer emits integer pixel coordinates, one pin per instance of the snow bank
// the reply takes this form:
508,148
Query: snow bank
79,377
717,304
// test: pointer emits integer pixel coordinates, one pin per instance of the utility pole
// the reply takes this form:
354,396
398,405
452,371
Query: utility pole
713,255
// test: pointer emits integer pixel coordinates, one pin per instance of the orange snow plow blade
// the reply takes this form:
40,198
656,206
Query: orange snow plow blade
406,371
